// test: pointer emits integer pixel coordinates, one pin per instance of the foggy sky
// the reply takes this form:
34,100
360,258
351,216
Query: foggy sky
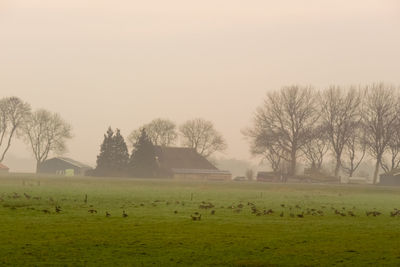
123,62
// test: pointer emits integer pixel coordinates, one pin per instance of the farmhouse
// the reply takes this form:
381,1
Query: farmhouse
3,168
186,163
63,166
390,178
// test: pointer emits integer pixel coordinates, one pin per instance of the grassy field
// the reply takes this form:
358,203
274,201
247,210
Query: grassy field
306,226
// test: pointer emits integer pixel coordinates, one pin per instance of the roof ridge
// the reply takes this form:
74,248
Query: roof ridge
73,162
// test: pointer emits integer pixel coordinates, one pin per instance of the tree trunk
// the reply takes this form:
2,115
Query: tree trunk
293,164
38,163
337,167
376,171
351,168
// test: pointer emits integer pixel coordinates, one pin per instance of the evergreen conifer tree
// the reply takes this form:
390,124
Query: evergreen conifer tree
121,155
143,159
113,158
104,159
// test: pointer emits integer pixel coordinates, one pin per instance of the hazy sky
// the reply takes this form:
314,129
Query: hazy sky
125,62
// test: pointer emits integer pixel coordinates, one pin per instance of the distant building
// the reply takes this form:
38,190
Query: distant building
356,180
264,176
63,166
186,164
390,178
3,168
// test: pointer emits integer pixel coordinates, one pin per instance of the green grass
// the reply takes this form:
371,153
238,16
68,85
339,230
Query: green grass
153,234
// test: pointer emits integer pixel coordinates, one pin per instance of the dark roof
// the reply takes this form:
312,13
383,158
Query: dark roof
74,162
182,158
394,172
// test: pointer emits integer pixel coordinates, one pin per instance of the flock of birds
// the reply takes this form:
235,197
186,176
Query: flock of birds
295,211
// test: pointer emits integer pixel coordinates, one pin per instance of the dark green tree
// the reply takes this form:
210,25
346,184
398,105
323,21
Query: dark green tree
143,159
121,155
104,159
113,159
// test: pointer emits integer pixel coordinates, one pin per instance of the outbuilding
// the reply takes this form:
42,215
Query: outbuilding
390,178
264,176
186,164
63,166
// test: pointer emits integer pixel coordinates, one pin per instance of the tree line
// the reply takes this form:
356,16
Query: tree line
295,123
302,123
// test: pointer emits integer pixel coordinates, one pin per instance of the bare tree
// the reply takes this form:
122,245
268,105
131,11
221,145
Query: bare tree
265,144
340,109
286,119
316,147
161,132
275,156
46,132
201,135
380,118
355,149
393,151
13,112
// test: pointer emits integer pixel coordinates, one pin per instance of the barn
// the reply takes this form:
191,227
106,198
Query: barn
390,178
63,166
186,164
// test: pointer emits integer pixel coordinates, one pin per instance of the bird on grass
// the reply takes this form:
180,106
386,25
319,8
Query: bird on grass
108,214
373,213
58,209
394,213
268,212
350,213
337,212
124,214
196,216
